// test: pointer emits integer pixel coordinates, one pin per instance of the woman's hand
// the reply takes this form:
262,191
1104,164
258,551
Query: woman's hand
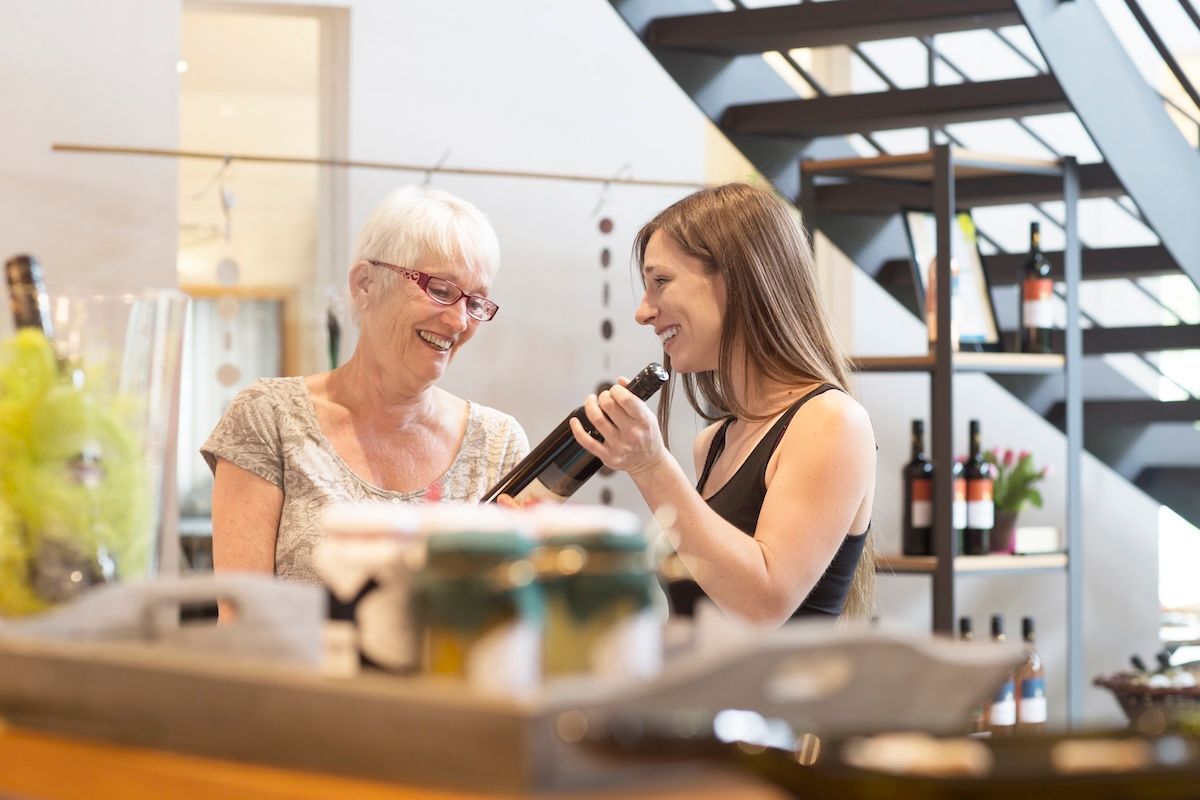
632,441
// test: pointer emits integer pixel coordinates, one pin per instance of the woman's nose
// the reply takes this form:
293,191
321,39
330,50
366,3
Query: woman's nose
645,313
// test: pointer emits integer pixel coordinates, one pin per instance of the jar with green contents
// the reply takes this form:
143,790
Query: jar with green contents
604,607
478,598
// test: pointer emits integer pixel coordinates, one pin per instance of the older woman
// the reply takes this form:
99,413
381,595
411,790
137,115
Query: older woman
376,428
777,525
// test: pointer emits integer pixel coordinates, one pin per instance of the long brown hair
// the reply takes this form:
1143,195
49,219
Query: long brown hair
772,307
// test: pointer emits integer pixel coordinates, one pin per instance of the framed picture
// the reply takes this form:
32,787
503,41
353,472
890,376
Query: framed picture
977,328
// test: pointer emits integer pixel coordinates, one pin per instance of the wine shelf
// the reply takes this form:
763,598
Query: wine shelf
973,565
992,363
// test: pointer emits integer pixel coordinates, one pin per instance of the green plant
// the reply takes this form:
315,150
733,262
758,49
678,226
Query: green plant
1016,480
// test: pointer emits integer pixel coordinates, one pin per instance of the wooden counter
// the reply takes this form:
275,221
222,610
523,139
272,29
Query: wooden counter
36,765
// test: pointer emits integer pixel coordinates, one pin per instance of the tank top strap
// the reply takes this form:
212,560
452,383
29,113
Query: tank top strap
714,450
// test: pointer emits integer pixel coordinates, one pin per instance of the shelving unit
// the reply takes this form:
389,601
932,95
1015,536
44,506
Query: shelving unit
935,173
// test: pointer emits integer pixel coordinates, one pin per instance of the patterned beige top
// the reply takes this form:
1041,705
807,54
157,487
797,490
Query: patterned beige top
271,430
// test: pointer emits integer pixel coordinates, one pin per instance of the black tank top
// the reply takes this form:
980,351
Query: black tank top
739,502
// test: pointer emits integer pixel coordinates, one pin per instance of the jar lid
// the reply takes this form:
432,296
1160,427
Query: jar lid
370,520
497,544
549,520
438,518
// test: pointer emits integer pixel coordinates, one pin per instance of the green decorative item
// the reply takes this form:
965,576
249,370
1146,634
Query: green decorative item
1015,485
75,493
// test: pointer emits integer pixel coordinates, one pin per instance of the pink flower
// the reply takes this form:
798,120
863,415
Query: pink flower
1008,458
1023,454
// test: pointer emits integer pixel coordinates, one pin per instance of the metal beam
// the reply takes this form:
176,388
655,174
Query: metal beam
824,24
1096,180
1130,339
1108,263
1102,413
932,106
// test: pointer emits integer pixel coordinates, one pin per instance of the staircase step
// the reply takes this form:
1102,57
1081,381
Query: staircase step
1174,486
822,24
1150,261
886,197
934,106
1130,339
1102,413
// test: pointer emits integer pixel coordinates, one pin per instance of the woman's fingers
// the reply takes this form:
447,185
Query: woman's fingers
585,439
593,406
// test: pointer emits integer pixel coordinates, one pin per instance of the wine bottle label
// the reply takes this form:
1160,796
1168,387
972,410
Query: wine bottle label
959,512
538,492
1037,303
922,503
981,511
1031,707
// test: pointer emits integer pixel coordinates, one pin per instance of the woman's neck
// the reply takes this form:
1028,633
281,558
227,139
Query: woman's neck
761,396
366,391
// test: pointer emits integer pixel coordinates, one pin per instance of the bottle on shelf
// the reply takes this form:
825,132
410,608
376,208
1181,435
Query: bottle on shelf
558,466
1002,713
981,510
1037,299
917,537
958,507
931,304
1030,685
27,293
966,633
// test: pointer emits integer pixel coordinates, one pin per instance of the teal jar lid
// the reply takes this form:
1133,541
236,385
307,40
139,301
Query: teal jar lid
473,543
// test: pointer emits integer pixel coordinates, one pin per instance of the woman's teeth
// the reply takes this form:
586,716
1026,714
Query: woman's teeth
668,334
437,341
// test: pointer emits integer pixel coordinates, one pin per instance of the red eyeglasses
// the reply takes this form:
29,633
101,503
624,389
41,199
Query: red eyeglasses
444,292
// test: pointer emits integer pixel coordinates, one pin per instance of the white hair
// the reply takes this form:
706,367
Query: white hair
413,224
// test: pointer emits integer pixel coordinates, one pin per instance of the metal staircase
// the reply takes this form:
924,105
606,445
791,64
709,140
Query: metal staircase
716,56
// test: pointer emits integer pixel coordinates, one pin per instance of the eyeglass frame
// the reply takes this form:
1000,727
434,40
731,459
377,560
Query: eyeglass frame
422,280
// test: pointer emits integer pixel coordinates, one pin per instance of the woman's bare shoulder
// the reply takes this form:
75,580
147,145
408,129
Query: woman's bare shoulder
833,414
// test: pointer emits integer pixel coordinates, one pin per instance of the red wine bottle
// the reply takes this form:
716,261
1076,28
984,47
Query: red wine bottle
558,466
1037,299
917,537
981,511
27,292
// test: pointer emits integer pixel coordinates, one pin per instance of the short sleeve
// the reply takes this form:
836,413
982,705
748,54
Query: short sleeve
248,435
517,447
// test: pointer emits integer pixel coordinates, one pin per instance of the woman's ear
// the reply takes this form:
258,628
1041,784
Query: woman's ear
360,284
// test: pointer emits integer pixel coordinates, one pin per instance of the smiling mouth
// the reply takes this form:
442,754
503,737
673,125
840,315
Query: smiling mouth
439,343
668,334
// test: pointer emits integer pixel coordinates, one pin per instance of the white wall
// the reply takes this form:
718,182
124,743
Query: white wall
96,73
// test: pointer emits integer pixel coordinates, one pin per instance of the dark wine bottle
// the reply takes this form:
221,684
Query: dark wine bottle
1037,303
558,466
981,511
27,293
917,536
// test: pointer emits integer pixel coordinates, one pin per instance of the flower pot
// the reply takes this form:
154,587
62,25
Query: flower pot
1003,538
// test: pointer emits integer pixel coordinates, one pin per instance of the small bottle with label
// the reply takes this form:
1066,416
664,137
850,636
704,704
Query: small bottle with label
1002,713
1037,299
1031,685
966,633
980,506
917,536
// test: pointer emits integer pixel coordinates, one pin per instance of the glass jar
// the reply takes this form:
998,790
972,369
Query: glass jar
366,561
88,428
605,609
479,601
